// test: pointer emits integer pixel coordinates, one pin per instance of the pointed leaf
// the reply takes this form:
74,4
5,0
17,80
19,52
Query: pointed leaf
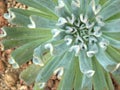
48,69
113,53
86,83
102,2
67,80
113,42
36,4
17,36
40,22
24,53
78,77
26,33
111,9
85,64
116,76
114,35
32,11
109,81
15,18
49,4
84,5
107,62
99,81
29,75
116,16
112,26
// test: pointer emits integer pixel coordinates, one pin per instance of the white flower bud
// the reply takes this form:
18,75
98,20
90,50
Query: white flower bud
61,21
32,25
55,32
75,48
49,46
59,72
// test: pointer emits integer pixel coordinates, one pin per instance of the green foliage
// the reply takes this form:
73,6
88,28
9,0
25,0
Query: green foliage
76,40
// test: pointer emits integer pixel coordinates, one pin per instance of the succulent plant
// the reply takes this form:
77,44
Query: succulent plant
76,40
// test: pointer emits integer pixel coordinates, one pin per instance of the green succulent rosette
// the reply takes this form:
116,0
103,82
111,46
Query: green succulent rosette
76,40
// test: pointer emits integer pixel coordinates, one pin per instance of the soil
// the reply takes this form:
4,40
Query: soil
9,77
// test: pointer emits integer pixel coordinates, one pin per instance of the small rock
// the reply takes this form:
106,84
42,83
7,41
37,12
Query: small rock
118,88
10,78
2,66
13,88
54,88
47,88
23,87
56,83
53,77
50,83
8,51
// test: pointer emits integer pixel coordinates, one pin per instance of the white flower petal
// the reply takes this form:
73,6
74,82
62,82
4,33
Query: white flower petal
37,61
32,25
100,21
104,43
76,3
84,18
2,33
89,73
68,40
49,46
61,3
41,85
61,21
72,19
55,32
69,29
75,48
117,67
59,72
91,53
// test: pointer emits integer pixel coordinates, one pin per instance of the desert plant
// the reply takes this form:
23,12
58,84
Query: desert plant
76,40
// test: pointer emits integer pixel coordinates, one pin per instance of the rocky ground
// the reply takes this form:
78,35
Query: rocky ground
9,77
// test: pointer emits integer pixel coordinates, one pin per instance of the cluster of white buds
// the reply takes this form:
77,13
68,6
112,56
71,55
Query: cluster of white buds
80,33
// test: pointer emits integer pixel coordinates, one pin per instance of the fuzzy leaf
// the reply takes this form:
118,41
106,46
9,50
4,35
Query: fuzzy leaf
49,4
108,63
114,35
113,53
40,22
111,9
32,11
104,3
112,26
86,83
113,42
68,5
116,75
78,77
16,18
24,53
17,36
29,75
36,4
109,81
67,80
116,16
99,81
84,5
48,69
85,64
